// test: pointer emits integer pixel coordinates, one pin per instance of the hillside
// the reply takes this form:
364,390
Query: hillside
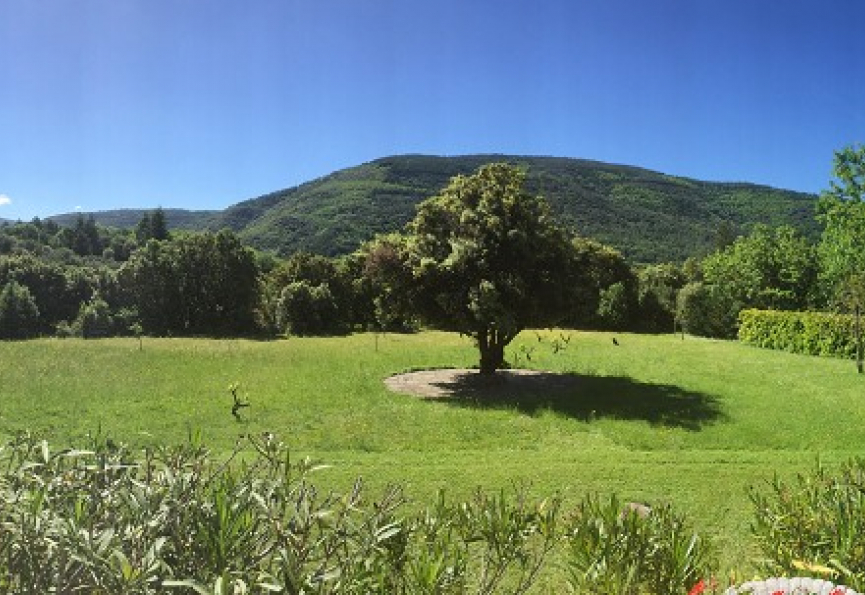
126,218
649,216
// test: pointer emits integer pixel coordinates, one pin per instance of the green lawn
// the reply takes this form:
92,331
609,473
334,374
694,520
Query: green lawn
657,418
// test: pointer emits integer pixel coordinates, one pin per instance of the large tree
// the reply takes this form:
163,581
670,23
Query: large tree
842,258
193,284
487,260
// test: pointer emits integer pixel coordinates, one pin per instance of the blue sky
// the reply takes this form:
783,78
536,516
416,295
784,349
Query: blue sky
200,104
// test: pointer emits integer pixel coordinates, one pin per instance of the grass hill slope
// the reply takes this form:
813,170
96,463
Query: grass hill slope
649,216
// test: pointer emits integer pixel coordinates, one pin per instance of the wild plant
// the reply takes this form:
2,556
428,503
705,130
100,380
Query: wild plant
814,524
614,550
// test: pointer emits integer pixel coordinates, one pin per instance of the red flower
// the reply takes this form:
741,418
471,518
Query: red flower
698,588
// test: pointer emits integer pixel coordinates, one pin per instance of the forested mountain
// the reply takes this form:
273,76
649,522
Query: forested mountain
648,216
128,218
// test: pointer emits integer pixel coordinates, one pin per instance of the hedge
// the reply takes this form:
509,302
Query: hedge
809,333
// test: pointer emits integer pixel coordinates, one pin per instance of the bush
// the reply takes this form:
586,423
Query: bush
303,309
94,319
707,310
809,333
615,306
19,316
612,549
101,521
815,523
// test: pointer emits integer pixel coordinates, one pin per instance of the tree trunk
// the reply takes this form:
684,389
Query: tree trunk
492,352
858,340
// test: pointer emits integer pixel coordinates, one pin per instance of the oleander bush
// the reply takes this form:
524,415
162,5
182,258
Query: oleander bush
177,519
809,333
610,548
814,524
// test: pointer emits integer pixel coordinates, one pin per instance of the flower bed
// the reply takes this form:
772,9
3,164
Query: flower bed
790,586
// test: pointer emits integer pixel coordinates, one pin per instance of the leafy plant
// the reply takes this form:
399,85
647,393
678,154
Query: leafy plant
615,550
816,521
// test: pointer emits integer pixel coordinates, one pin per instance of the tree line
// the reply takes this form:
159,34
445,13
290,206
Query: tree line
483,257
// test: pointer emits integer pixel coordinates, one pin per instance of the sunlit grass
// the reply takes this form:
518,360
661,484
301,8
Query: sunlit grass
656,418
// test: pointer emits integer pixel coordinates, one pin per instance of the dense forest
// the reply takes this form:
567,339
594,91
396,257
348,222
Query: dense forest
649,217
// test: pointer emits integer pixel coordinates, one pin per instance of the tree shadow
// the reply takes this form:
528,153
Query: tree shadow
585,398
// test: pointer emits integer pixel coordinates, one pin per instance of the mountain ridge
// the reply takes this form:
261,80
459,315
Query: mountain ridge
649,216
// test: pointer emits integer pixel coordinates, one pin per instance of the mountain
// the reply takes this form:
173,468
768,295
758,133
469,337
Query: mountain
126,218
648,216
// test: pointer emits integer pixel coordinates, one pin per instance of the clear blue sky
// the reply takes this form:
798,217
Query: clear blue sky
200,104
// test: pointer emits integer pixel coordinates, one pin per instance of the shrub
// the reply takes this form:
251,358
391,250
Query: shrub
101,520
612,549
809,333
94,319
615,306
707,310
814,523
304,309
19,316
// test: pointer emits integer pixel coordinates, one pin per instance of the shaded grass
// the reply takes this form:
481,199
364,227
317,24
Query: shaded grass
655,418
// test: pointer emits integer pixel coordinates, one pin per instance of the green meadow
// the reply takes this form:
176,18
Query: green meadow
691,421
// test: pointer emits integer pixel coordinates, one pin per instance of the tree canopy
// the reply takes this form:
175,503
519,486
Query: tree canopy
487,260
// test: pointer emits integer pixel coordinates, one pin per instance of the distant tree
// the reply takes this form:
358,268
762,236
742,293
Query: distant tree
841,210
94,319
769,268
57,289
601,267
707,310
152,226
19,316
385,275
193,284
487,260
305,309
311,295
616,306
85,240
158,225
658,287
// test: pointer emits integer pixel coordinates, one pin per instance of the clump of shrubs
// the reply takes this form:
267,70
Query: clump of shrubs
177,519
105,519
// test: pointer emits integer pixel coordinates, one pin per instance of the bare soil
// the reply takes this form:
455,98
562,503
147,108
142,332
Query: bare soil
456,383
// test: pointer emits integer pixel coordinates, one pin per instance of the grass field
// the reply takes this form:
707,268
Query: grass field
657,418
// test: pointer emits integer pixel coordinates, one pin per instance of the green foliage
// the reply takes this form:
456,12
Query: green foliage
842,213
94,319
649,217
809,333
658,287
19,316
616,306
304,309
487,260
769,268
153,226
814,522
600,267
193,284
314,295
707,310
101,520
612,549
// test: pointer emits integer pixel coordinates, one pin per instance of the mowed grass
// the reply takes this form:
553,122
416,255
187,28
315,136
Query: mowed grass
656,418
